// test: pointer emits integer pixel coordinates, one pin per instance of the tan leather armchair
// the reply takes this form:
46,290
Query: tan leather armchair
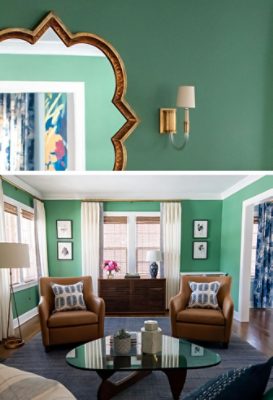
199,323
70,326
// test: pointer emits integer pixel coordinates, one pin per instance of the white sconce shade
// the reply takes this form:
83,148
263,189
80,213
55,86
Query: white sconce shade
186,97
153,255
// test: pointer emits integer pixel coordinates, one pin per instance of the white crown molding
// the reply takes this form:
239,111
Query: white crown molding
240,185
22,185
129,197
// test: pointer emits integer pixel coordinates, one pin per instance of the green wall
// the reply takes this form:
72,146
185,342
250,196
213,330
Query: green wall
17,194
26,299
231,230
131,206
102,119
223,47
63,209
201,209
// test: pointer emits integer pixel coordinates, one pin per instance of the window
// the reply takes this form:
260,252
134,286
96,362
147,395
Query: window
148,238
127,238
115,241
19,227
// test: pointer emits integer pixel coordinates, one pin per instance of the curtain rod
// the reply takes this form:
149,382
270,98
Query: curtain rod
19,188
130,200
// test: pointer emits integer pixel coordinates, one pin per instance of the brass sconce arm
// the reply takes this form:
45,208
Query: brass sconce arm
186,100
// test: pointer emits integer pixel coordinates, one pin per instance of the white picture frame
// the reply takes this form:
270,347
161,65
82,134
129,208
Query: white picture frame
200,228
65,251
200,250
64,229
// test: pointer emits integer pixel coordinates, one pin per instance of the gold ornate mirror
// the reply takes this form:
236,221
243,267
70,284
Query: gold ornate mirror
58,100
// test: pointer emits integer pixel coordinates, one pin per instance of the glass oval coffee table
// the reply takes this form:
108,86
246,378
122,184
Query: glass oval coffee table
176,357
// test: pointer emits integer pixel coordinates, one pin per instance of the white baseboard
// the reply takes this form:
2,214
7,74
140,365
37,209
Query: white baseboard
25,317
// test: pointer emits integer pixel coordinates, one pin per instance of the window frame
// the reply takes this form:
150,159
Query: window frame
22,285
131,233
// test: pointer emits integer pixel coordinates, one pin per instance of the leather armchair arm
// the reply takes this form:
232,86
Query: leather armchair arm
228,308
177,303
96,304
44,313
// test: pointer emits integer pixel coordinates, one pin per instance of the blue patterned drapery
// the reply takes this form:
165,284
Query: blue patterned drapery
16,131
263,282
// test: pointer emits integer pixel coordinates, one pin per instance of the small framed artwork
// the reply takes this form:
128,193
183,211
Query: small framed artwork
200,228
197,351
65,251
199,250
64,229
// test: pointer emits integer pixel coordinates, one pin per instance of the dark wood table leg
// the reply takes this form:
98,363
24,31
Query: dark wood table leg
108,389
176,379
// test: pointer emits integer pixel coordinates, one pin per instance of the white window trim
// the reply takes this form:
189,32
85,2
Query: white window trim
76,138
23,285
131,232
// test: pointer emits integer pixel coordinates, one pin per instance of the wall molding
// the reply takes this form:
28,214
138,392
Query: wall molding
240,185
25,317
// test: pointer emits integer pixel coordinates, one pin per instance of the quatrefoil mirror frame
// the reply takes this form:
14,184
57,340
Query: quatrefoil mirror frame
69,39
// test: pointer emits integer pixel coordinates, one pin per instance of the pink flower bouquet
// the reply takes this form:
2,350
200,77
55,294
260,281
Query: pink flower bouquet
110,266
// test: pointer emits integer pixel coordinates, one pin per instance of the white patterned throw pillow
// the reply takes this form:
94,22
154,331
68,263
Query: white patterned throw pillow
69,297
204,294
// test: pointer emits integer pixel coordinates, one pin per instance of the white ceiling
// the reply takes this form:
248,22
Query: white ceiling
132,186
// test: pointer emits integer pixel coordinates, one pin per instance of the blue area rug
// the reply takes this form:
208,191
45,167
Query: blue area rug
84,384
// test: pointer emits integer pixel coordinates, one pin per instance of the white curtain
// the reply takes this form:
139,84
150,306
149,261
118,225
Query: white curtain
40,238
171,240
91,234
4,281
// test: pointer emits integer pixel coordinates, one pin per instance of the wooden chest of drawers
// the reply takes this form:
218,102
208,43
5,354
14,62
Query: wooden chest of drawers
133,295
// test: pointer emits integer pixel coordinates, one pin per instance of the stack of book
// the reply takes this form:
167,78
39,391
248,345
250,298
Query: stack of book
134,275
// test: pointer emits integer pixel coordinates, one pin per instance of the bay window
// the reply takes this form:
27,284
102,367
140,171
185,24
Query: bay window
19,228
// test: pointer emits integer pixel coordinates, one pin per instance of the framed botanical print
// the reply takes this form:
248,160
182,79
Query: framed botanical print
64,229
65,250
200,250
200,228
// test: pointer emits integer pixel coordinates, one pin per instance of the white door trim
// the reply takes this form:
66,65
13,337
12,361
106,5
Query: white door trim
246,245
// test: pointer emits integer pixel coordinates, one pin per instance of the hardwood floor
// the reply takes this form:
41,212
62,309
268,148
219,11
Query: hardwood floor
258,331
29,329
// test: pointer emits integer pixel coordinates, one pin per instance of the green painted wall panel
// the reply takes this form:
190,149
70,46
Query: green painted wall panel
67,209
223,47
17,194
231,230
131,206
212,211
26,300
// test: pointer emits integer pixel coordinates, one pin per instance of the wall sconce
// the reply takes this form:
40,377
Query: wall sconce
186,100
